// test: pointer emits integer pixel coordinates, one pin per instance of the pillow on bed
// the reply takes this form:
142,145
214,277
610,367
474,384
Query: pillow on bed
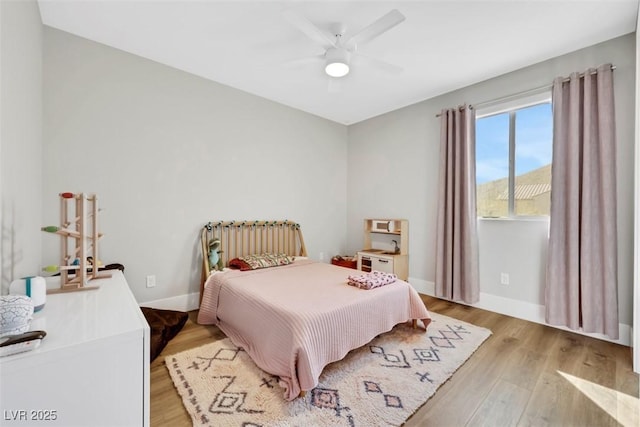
254,262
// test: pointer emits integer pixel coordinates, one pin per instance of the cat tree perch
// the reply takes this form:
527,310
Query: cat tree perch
81,228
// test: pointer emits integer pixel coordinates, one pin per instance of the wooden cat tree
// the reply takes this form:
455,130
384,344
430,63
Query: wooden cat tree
81,228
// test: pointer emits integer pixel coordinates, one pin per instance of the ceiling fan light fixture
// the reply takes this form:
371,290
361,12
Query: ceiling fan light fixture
337,69
337,62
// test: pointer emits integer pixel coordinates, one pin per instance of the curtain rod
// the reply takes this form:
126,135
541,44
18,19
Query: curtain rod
519,94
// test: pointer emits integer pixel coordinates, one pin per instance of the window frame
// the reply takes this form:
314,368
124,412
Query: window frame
510,105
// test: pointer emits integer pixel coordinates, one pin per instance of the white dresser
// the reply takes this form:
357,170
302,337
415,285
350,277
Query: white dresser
92,368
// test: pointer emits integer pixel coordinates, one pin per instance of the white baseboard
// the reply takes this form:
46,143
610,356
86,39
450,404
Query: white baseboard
186,302
522,310
507,306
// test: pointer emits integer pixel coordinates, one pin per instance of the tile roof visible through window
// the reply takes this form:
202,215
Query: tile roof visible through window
526,191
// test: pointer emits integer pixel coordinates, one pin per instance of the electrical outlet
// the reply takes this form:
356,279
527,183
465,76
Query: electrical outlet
151,281
504,278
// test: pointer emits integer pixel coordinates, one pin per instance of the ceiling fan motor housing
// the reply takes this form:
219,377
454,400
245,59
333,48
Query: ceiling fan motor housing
337,64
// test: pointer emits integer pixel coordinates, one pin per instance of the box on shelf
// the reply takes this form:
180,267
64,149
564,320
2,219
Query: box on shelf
345,261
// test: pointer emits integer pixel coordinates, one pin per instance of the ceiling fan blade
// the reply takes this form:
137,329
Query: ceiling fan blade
303,61
385,23
309,29
377,63
334,85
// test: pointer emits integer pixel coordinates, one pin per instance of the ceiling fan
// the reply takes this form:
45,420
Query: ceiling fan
338,52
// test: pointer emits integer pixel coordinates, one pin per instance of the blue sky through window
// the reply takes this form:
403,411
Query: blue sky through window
533,142
492,148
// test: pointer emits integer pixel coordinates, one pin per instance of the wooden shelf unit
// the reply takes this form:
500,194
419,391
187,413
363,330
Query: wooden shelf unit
389,261
400,228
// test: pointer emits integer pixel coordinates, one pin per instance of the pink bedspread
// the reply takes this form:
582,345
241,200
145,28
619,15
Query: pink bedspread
294,320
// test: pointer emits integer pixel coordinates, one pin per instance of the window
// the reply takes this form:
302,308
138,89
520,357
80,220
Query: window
513,158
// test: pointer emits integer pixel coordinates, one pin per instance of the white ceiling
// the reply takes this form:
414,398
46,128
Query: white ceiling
442,45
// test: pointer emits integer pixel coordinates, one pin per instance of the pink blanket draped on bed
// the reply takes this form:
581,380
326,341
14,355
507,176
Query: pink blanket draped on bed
294,320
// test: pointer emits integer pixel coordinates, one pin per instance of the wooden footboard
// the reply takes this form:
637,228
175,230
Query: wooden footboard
241,238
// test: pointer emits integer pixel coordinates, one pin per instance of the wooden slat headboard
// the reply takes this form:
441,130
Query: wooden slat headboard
241,238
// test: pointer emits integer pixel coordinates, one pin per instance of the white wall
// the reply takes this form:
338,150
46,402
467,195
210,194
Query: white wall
393,172
167,151
518,248
20,139
636,275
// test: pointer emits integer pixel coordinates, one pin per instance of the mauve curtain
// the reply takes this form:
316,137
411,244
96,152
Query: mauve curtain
456,236
582,290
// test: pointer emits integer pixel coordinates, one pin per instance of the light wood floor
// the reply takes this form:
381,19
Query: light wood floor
525,374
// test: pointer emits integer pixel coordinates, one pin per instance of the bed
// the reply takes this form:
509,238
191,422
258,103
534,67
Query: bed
294,319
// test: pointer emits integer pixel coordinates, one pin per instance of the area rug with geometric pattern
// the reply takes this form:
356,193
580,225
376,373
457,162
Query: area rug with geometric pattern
380,384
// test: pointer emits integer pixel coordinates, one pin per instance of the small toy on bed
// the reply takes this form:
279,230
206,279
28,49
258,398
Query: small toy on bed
215,262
